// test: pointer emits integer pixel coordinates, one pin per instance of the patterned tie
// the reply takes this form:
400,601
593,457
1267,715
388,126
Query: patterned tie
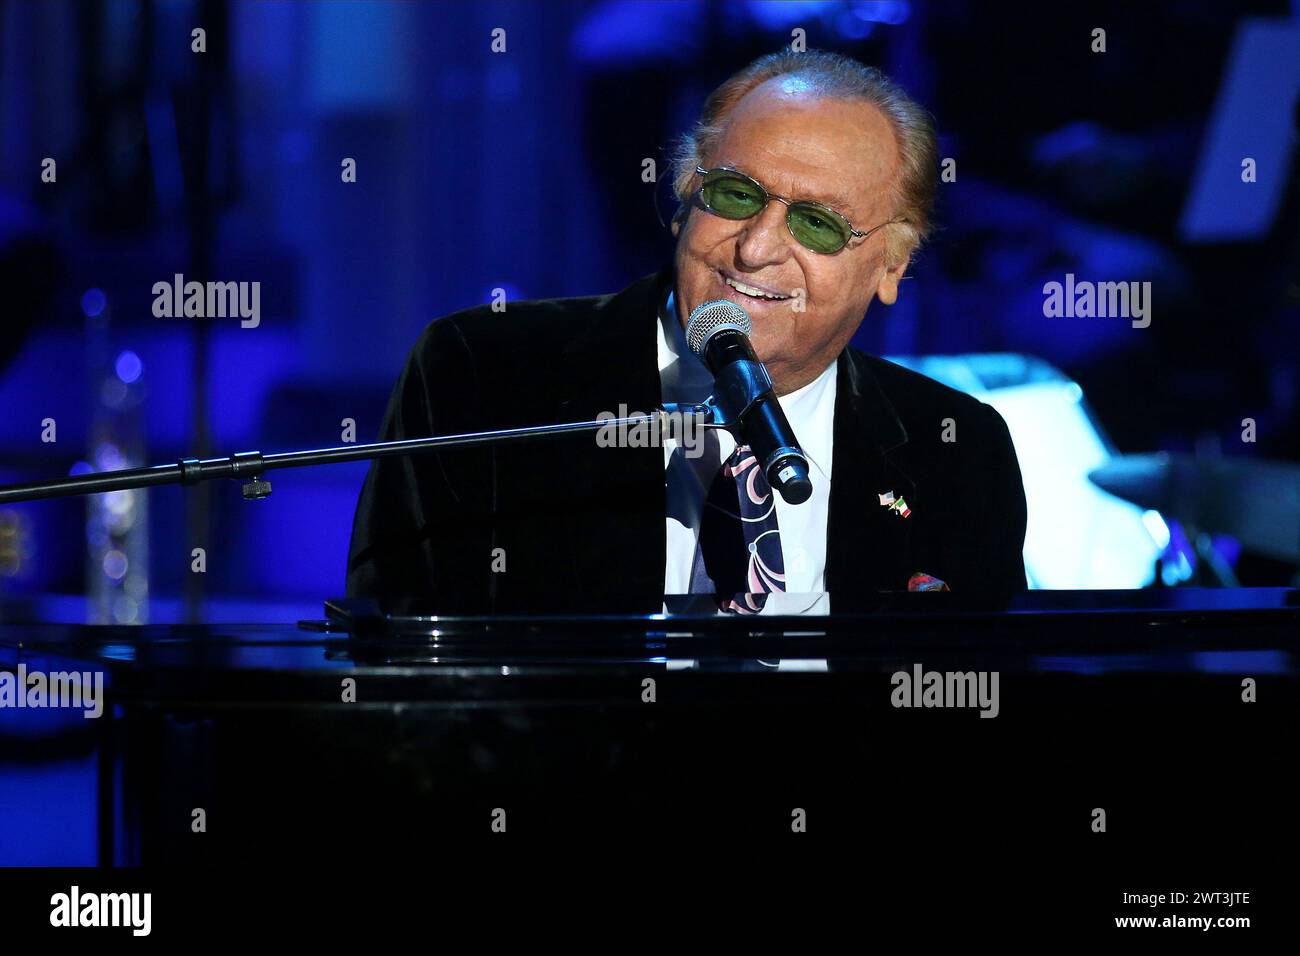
739,550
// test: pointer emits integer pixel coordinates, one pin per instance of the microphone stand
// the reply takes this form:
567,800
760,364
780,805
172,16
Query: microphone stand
250,466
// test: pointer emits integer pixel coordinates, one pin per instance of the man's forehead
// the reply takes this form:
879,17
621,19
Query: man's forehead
807,146
793,85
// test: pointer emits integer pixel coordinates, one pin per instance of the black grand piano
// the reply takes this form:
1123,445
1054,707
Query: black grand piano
1148,734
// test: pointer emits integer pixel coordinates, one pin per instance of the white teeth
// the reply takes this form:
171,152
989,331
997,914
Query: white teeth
750,290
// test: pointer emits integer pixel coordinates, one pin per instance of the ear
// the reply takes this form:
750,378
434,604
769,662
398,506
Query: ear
678,218
887,287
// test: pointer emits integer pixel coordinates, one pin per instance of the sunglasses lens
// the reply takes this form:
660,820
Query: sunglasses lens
818,229
732,196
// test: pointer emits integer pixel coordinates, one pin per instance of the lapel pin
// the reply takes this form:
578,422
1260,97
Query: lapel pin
897,505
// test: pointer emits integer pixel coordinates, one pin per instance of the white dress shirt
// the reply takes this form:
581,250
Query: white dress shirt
811,412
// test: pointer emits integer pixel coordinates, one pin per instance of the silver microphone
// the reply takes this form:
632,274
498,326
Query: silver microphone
718,332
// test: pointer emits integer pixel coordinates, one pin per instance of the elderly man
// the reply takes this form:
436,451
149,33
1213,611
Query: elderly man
804,189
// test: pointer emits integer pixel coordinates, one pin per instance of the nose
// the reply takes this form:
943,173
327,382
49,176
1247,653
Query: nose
763,240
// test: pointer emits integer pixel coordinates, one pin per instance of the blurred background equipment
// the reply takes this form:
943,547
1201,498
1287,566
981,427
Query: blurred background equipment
117,523
1121,166
1077,536
1256,502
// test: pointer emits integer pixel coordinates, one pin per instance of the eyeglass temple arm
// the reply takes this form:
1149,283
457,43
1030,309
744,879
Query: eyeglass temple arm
862,235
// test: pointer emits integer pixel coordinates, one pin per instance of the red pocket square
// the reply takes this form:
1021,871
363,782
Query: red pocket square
924,582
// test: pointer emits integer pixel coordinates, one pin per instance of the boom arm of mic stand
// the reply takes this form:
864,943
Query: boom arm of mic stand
251,466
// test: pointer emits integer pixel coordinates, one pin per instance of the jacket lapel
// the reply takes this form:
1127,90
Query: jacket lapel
868,545
620,526
617,531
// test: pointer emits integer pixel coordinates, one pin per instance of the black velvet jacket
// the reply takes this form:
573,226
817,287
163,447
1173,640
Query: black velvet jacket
581,527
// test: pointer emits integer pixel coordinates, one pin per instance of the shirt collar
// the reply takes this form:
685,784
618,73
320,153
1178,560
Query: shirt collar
685,378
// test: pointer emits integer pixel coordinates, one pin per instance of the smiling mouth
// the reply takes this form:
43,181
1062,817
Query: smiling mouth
749,291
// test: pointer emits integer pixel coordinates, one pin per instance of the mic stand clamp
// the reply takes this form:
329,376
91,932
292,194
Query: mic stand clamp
255,489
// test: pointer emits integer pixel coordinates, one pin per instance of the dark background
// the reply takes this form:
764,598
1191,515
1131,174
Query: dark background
522,171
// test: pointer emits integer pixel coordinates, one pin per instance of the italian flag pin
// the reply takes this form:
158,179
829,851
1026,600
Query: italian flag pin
897,505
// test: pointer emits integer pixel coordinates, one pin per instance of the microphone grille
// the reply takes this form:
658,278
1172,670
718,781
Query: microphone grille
713,317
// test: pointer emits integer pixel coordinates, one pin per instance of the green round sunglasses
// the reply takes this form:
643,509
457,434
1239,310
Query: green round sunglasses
733,195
